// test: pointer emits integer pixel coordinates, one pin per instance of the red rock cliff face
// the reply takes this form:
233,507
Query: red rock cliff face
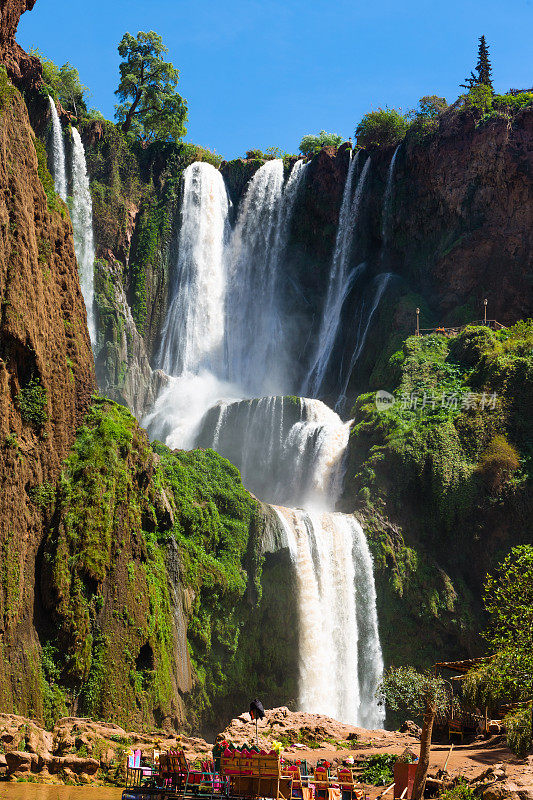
46,380
21,68
462,225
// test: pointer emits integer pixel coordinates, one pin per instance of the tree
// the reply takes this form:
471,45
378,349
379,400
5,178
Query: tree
425,118
483,68
311,144
65,83
507,676
382,128
151,108
405,689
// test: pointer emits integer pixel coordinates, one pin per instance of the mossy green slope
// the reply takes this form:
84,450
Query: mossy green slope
139,538
445,488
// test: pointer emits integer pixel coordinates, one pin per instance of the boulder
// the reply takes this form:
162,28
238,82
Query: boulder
19,762
75,764
412,728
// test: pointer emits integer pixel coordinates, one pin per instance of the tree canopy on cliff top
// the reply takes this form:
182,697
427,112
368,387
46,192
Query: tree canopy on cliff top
311,143
150,106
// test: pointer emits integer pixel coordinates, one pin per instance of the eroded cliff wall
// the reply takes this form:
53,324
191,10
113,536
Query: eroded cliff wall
46,380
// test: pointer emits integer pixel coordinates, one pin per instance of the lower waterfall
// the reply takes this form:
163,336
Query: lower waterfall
340,655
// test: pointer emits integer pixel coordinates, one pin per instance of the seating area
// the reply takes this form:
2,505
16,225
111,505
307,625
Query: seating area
247,774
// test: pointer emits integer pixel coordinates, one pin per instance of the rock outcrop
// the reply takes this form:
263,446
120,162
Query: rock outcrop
24,70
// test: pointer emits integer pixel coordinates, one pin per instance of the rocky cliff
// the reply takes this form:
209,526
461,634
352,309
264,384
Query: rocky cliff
46,380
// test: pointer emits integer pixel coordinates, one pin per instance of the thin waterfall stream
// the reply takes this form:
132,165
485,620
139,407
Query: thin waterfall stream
82,226
81,208
226,347
58,153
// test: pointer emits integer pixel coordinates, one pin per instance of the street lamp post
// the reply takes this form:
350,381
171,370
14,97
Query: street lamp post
418,322
485,304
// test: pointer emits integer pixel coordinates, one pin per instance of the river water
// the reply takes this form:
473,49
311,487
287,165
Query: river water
39,791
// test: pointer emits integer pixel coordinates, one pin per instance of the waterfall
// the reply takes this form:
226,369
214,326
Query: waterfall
365,315
82,226
58,153
387,204
222,338
340,279
340,655
256,341
290,451
225,344
194,329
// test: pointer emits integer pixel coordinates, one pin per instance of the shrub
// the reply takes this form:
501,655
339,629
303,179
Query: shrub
512,103
460,792
311,144
32,401
479,98
425,118
381,128
498,463
378,769
518,726
254,154
7,91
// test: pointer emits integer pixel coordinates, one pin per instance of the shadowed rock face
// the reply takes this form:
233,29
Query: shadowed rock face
21,68
46,380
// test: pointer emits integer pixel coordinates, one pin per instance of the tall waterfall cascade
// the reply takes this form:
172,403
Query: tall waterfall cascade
58,153
341,277
387,203
225,346
82,226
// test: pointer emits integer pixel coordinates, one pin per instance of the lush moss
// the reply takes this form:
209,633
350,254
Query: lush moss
53,200
447,477
32,402
132,531
216,530
7,90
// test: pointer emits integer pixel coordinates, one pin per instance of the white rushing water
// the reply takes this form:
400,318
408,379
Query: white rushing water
340,654
82,226
58,153
290,452
341,278
387,203
256,336
365,315
194,330
225,345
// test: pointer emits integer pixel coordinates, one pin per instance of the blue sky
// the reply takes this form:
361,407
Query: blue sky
264,73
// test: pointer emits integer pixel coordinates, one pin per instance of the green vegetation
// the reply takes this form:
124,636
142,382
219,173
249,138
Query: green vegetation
508,675
435,479
403,688
125,519
311,144
7,90
483,74
53,200
214,526
425,119
150,106
463,791
64,84
379,769
32,402
384,127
